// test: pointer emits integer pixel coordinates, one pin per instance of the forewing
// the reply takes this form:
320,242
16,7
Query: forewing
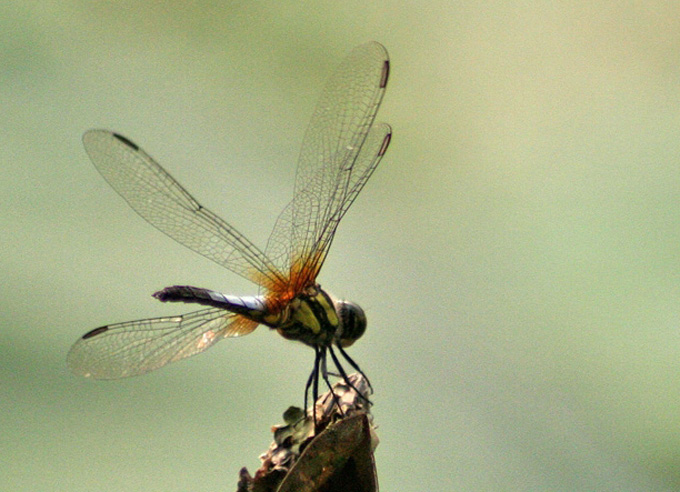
333,164
165,204
137,347
372,151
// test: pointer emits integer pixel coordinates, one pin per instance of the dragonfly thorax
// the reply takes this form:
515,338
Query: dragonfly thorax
316,319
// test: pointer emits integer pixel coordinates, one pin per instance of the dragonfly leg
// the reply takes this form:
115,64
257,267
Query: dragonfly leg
351,363
324,373
315,383
344,374
309,383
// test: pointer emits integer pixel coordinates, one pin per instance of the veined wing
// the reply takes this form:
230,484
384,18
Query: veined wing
306,265
339,153
136,347
165,204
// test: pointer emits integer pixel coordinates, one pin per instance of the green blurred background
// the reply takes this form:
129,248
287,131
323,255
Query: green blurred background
517,251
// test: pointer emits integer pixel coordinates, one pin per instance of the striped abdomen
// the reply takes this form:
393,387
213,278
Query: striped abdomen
251,306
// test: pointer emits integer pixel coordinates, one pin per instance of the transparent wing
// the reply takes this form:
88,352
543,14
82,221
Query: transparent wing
165,204
136,347
339,153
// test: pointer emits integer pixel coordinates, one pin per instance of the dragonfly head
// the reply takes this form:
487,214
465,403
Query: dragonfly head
353,322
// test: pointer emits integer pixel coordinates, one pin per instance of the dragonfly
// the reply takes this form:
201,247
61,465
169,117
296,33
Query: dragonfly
341,149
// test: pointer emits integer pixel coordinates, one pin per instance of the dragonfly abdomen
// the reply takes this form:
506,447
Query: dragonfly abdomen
251,306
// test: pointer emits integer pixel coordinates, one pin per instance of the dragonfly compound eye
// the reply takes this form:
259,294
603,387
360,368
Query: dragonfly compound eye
353,321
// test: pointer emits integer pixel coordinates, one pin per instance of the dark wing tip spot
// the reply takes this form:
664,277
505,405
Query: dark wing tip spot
385,74
385,144
95,332
126,141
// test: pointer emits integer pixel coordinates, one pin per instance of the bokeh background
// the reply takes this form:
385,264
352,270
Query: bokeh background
517,251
